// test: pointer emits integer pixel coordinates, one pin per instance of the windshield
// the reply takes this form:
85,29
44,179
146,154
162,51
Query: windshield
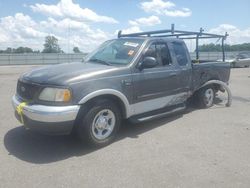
118,51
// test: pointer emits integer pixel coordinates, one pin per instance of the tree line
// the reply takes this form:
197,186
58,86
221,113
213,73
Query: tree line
229,48
50,46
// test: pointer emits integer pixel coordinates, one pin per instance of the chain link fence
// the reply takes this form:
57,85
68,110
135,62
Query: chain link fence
43,58
215,56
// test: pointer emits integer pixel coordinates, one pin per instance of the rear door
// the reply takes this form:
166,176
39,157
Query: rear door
182,59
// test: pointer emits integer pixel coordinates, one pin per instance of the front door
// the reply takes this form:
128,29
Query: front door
157,87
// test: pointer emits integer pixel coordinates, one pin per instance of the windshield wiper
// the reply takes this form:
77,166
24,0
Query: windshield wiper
100,61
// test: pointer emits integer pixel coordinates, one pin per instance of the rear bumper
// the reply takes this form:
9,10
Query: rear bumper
47,119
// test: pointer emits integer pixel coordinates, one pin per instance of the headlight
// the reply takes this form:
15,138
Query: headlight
55,95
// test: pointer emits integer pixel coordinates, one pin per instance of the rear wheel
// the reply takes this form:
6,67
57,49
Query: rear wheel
206,97
100,124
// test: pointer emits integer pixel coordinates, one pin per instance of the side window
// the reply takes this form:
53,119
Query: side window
160,52
181,54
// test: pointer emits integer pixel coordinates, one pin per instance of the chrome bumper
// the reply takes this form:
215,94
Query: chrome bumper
43,113
52,120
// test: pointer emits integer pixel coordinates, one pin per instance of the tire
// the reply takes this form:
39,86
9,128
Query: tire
100,123
206,97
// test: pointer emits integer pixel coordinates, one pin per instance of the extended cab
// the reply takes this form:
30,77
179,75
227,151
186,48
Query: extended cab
133,77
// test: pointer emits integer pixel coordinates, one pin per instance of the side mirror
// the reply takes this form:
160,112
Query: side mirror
148,62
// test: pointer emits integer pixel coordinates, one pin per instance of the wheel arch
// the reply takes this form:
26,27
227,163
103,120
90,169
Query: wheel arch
119,98
211,82
222,84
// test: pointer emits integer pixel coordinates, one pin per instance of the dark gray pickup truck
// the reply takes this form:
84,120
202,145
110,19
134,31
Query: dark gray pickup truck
134,77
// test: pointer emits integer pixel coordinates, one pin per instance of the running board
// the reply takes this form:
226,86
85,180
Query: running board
158,115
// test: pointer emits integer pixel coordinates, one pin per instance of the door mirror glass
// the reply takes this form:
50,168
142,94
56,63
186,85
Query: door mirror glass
149,62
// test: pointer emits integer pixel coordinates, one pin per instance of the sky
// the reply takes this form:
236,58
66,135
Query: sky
87,23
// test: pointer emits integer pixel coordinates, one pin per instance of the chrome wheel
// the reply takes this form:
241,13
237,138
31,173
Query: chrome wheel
209,97
103,124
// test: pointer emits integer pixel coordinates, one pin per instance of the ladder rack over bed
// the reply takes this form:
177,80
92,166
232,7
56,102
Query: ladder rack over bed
181,35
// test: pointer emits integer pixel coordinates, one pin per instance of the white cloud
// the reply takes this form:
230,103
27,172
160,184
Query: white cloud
64,24
3,35
133,29
66,8
157,6
150,21
19,27
185,12
236,36
22,30
167,8
78,32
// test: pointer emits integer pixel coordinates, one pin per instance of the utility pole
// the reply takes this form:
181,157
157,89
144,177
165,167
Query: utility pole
69,29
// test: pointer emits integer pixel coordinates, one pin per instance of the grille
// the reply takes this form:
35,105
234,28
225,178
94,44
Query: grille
27,91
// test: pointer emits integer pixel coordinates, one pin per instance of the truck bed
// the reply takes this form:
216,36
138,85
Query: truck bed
205,71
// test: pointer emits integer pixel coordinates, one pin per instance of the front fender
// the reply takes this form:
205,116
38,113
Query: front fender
121,96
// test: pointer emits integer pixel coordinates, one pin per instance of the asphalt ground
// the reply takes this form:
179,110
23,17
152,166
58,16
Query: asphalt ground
198,148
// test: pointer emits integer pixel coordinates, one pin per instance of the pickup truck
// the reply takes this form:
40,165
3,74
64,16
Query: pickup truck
133,77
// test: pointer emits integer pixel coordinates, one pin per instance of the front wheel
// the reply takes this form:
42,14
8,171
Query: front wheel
206,97
100,124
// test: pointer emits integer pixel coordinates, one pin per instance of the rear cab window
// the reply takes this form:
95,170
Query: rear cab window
180,53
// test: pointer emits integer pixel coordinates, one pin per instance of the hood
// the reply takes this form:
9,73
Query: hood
66,73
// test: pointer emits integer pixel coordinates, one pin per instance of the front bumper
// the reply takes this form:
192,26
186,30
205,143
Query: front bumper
47,119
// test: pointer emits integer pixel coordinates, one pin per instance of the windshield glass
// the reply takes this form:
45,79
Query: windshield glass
118,51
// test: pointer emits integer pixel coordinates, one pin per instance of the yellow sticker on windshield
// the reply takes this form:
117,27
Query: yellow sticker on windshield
131,52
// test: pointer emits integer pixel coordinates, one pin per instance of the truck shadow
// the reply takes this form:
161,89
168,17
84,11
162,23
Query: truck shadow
41,149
